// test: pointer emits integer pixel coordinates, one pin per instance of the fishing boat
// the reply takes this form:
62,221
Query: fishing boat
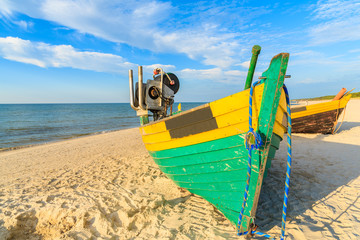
204,149
321,117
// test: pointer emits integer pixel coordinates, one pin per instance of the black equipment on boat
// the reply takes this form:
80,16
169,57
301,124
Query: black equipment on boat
156,95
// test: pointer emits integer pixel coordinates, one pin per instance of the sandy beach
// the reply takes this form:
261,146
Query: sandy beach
106,186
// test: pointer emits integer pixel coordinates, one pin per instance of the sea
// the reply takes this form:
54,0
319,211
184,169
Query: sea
31,124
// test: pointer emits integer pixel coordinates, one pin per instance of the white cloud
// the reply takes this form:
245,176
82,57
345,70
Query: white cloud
340,21
306,53
310,80
312,58
5,8
354,50
46,55
331,9
24,25
130,22
58,56
215,50
166,68
245,64
146,24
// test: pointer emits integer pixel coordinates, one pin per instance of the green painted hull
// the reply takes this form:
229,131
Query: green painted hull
215,170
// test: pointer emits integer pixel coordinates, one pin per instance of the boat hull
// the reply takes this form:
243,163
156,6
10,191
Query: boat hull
216,170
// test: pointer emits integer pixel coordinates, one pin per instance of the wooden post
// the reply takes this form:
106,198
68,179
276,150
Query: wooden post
340,94
255,53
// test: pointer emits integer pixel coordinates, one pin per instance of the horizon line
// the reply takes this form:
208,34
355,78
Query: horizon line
91,102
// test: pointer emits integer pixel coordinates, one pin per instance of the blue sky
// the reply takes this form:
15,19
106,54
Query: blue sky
54,51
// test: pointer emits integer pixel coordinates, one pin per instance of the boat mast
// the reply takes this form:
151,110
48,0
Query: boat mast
255,53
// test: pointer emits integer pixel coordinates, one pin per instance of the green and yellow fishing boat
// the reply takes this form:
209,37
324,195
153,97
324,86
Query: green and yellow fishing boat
203,149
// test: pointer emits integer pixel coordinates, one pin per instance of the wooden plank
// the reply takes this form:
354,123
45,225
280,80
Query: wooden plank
316,123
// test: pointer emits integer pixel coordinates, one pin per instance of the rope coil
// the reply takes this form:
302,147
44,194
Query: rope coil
253,141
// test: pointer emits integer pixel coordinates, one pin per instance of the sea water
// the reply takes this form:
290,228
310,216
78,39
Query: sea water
29,124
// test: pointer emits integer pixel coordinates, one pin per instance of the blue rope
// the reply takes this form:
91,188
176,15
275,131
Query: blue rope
255,143
288,168
257,233
250,144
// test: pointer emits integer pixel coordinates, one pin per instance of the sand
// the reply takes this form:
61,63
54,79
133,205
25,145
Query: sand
107,187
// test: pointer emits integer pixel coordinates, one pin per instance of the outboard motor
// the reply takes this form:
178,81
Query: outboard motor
157,95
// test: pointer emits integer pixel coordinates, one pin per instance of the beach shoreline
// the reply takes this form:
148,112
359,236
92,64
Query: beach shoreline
62,139
107,186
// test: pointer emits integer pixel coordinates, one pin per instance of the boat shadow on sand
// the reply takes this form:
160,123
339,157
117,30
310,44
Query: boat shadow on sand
348,126
324,187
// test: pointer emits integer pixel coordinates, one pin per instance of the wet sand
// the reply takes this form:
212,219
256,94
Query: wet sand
107,187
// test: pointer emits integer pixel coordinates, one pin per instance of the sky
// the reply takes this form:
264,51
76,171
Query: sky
80,51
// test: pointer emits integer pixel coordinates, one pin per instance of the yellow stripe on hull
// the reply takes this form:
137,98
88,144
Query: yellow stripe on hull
321,107
280,126
232,118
